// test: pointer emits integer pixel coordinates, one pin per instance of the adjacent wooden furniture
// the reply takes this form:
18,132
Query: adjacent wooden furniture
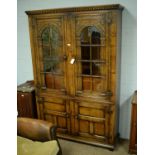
133,130
75,54
37,130
26,103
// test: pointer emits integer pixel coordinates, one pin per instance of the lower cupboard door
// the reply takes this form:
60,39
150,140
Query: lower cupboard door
56,111
92,120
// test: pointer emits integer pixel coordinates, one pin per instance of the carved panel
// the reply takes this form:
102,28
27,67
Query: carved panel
79,9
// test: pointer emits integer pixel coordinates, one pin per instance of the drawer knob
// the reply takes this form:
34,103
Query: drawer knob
22,95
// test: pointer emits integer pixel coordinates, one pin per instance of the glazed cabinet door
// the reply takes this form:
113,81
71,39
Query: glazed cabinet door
92,65
49,54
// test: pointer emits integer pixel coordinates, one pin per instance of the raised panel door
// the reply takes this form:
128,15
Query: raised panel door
92,120
55,110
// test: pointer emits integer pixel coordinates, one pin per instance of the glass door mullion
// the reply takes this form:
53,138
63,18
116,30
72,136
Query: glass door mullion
91,68
50,42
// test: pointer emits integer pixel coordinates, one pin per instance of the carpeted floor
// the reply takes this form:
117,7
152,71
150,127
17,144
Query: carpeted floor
73,148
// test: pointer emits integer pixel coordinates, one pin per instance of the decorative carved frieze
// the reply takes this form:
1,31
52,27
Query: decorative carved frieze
79,9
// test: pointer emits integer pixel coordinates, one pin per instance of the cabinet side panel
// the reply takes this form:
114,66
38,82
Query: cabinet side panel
33,44
118,67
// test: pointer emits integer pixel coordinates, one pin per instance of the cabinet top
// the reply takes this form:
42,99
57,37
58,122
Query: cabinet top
76,9
26,87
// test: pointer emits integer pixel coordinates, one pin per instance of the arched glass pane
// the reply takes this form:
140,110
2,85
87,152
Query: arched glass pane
90,39
45,36
50,41
90,35
50,45
90,50
51,52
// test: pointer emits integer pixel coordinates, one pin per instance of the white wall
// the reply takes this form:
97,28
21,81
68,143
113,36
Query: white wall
129,48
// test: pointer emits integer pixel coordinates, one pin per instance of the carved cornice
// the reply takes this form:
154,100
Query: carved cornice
76,9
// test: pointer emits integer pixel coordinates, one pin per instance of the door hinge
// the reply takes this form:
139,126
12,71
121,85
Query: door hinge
67,114
106,94
40,100
109,137
76,116
109,110
38,86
